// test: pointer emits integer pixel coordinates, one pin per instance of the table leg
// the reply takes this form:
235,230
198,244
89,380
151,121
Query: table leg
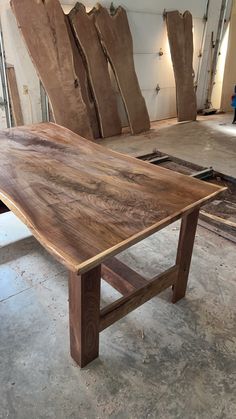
184,253
84,312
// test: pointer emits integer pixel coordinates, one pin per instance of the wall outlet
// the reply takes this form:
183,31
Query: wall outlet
25,89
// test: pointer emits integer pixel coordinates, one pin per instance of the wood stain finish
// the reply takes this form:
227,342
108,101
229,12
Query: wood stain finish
117,41
83,24
180,35
43,26
85,203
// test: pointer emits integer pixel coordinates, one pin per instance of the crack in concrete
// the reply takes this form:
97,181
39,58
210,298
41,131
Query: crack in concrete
13,295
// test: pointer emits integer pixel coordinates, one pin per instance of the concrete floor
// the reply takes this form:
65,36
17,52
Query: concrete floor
161,361
210,141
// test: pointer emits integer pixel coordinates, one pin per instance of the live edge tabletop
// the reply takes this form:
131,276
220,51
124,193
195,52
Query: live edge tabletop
83,202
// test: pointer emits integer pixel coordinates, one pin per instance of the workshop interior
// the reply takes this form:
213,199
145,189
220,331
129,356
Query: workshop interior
117,209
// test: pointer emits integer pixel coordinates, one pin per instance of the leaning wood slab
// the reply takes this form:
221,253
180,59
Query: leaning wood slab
43,27
180,35
82,75
97,66
14,96
85,203
117,41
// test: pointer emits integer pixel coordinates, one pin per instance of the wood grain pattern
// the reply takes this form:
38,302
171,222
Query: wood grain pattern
84,313
120,308
184,253
14,96
82,75
97,66
42,24
180,35
121,277
117,41
86,203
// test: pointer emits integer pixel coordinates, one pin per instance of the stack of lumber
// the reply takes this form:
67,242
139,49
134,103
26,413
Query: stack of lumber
71,55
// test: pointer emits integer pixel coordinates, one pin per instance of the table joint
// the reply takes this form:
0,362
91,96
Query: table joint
124,305
121,277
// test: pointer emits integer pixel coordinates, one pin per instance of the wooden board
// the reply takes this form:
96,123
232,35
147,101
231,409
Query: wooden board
116,38
84,202
180,35
14,96
184,254
121,277
97,66
82,75
120,308
84,313
43,27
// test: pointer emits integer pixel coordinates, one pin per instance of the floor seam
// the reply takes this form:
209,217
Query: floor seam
13,295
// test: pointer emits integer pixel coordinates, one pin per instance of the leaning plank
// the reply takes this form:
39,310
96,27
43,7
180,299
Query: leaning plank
14,96
117,41
121,277
104,96
43,26
125,305
180,34
81,73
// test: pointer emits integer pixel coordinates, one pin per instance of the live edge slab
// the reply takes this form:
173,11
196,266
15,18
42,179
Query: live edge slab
85,204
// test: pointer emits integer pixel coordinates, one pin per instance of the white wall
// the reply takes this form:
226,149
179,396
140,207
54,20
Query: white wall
211,26
149,36
230,66
220,72
17,55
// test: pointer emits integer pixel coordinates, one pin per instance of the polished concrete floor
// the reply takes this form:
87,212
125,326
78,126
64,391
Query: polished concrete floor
161,361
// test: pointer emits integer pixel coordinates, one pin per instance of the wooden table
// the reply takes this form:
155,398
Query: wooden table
85,204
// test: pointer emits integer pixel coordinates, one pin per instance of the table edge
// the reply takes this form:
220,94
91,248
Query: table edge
85,266
154,228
